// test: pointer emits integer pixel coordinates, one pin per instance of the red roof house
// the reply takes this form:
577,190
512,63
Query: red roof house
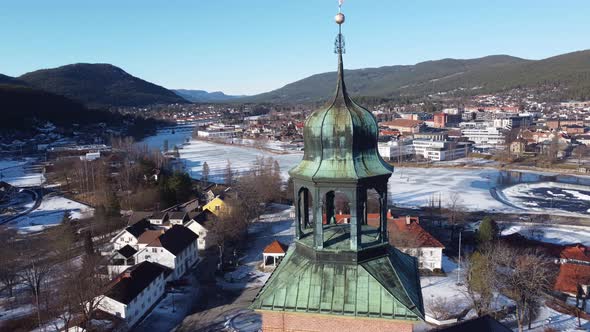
571,276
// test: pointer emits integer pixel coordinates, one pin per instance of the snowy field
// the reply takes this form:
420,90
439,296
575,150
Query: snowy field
216,156
551,234
19,174
408,187
547,196
176,136
50,213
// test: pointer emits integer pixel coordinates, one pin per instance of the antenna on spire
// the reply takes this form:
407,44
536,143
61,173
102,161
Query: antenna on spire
339,18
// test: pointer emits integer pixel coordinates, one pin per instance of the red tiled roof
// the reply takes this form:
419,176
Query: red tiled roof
151,238
275,248
403,123
423,238
389,132
577,252
570,276
398,225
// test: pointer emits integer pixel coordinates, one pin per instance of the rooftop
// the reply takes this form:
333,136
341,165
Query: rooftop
570,276
177,238
276,247
134,280
387,287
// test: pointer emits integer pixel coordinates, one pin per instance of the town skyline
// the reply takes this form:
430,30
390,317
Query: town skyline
179,47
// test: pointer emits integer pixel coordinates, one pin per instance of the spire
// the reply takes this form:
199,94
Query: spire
339,48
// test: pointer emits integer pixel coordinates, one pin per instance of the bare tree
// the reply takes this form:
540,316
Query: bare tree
229,227
439,306
35,271
524,277
580,152
9,266
454,211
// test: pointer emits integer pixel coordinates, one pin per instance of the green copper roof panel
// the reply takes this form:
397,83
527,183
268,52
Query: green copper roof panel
341,142
327,289
372,289
350,280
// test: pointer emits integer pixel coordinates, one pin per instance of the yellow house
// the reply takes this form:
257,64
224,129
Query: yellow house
216,206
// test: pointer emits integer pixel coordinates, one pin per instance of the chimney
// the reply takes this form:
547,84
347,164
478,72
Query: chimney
408,220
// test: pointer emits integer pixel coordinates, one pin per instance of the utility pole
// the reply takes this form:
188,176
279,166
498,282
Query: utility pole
459,265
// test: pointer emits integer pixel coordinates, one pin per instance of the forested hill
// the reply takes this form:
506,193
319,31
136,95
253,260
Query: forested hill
100,85
571,72
201,96
8,80
22,107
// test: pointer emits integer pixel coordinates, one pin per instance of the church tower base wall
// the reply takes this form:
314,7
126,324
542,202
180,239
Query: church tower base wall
304,322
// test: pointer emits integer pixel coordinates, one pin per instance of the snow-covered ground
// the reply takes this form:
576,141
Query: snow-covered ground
549,318
216,156
467,161
50,213
408,187
549,196
412,187
275,225
445,287
176,136
17,173
562,235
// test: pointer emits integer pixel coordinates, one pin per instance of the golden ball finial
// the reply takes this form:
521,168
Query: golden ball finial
339,18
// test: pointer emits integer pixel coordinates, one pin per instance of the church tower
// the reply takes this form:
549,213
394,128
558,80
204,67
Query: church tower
341,274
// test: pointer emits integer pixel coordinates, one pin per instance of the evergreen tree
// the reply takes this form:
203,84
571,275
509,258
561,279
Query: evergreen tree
113,207
229,175
88,244
488,231
205,173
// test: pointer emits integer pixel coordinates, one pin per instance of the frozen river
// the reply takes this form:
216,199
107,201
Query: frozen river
413,187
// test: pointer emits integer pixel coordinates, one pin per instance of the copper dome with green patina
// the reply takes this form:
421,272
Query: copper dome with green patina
341,141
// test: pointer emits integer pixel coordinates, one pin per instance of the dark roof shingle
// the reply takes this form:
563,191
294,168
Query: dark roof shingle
134,280
177,238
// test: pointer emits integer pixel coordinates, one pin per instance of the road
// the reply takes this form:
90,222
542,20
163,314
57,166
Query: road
214,304
37,194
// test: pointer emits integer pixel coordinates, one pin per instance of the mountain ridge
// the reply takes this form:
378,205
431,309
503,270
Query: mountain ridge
202,96
100,85
489,74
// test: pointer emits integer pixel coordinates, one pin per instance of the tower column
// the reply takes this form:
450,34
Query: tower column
355,219
318,207
297,200
383,214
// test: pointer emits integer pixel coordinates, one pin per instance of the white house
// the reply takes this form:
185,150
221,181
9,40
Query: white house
121,260
198,224
178,217
176,248
130,235
134,292
407,235
158,218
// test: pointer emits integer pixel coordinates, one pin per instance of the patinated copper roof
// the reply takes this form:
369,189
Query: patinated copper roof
387,287
341,141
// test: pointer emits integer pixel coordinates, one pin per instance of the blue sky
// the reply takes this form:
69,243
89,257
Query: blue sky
246,47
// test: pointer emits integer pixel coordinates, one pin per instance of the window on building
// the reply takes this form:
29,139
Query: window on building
217,207
154,249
